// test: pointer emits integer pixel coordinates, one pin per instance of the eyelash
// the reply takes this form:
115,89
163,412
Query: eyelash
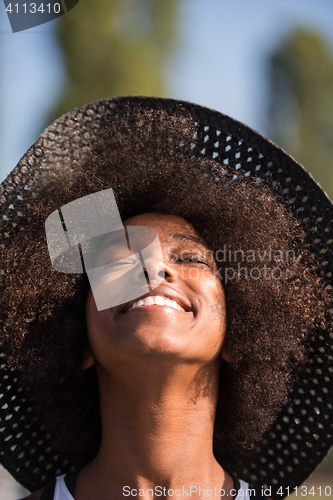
122,262
197,259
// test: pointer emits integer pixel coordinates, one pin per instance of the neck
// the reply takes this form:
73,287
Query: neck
157,426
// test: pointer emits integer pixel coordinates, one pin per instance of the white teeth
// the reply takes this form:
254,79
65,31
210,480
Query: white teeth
157,300
174,304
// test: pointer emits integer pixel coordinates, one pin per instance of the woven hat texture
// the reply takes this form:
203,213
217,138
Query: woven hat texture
302,434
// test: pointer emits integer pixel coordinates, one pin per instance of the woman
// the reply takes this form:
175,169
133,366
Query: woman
237,264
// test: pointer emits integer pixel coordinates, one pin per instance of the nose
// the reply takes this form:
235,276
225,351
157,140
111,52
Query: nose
156,270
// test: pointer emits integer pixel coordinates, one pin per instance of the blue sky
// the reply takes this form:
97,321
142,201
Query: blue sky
220,63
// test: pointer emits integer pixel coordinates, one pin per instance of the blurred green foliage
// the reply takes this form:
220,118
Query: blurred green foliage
115,47
301,102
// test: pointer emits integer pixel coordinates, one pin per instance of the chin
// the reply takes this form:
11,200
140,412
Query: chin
156,341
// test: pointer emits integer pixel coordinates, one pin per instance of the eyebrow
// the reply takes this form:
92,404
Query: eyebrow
187,237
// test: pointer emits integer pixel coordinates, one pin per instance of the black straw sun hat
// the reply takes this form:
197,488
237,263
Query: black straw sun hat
302,433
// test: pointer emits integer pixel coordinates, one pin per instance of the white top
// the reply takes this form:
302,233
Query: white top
244,491
61,492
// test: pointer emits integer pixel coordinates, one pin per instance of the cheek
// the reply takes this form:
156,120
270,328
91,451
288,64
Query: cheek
90,311
216,309
96,323
219,311
214,292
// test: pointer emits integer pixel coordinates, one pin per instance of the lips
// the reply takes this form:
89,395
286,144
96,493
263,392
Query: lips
167,294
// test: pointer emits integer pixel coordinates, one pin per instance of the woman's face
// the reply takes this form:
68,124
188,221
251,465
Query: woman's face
184,316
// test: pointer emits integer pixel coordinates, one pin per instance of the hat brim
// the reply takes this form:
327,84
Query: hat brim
302,433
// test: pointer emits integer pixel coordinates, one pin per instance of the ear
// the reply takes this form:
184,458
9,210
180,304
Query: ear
226,355
88,359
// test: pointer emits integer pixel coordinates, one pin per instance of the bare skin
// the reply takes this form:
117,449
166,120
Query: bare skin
157,370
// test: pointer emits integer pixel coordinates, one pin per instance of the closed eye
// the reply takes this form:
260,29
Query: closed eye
122,262
196,259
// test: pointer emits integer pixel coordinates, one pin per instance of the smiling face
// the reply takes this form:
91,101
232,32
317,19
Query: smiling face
184,316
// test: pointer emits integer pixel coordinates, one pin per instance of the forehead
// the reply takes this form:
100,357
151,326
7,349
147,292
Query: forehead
170,229
165,224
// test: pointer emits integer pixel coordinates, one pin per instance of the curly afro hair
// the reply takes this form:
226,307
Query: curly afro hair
273,298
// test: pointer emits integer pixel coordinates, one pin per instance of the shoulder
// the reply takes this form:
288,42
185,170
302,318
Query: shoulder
35,496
